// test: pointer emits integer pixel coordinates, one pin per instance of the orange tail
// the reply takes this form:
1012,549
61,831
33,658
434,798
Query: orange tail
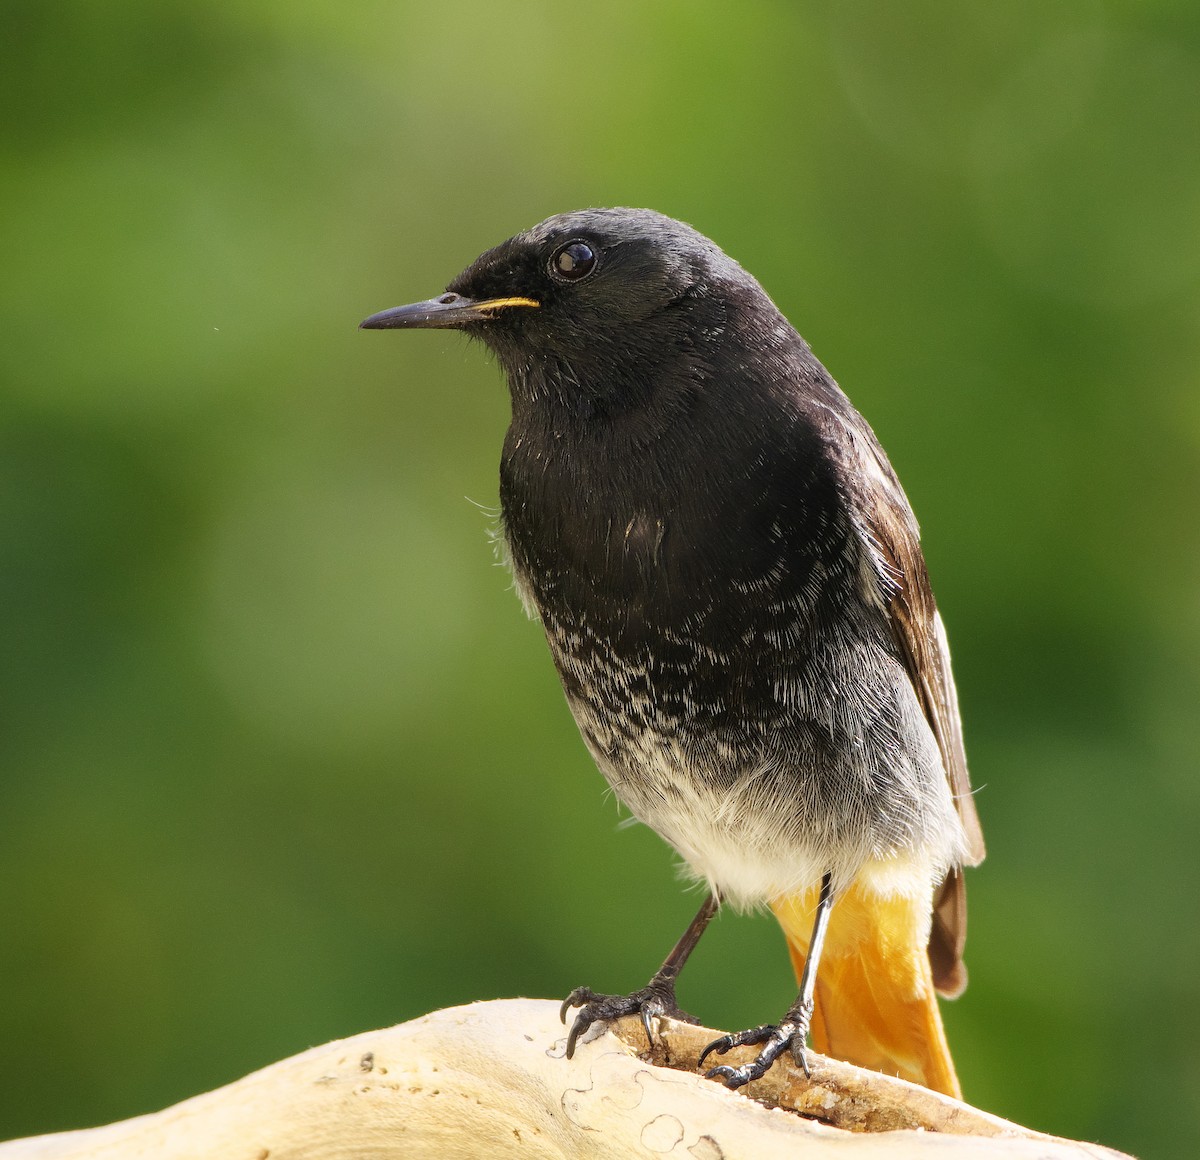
875,1001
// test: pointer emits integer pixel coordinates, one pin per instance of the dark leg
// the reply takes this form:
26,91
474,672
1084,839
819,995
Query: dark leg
792,1029
657,997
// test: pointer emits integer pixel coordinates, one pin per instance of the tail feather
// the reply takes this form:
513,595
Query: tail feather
948,936
876,1005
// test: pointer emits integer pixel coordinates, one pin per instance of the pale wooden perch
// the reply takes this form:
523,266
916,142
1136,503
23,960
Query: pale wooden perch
490,1080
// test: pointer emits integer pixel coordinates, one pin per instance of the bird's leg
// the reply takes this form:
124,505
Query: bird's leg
657,997
792,1030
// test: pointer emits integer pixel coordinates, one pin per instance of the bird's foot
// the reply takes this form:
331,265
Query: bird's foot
790,1032
656,998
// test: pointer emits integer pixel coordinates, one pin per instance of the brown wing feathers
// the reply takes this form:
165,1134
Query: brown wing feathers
892,539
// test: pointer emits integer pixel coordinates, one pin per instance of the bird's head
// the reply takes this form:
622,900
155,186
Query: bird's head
585,305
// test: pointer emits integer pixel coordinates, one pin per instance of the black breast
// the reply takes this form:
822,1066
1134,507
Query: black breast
686,586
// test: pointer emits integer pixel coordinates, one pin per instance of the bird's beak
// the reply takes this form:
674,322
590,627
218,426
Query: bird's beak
450,310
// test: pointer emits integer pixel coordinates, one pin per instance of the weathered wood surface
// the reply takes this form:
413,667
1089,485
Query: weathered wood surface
490,1079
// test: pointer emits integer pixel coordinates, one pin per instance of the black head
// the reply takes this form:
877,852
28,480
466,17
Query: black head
586,305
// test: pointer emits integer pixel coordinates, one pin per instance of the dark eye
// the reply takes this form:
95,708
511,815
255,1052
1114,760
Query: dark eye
573,261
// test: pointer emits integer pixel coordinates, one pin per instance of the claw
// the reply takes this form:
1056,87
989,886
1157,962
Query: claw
656,998
741,1039
572,1035
720,1046
731,1076
801,1057
776,1040
580,997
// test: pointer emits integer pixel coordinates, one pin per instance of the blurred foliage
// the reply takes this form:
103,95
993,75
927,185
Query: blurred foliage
282,758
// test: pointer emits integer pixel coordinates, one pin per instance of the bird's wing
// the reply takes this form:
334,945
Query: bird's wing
894,573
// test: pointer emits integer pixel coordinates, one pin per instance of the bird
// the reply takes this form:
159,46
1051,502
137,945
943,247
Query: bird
731,583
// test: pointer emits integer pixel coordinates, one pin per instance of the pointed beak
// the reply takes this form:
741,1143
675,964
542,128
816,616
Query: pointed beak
448,311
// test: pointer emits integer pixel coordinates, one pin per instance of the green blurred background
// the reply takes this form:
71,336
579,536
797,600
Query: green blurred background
282,758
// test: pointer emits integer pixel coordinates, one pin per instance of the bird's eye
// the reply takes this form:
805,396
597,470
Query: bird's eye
573,261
